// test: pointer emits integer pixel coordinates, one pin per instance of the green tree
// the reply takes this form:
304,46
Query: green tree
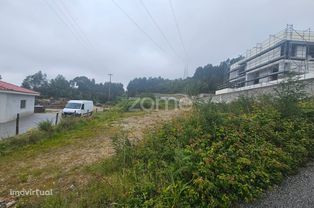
37,81
80,87
59,87
289,93
206,79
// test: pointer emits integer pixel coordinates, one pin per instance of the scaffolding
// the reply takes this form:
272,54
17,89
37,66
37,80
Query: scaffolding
289,33
293,48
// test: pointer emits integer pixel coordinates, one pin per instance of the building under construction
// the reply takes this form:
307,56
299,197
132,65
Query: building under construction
268,63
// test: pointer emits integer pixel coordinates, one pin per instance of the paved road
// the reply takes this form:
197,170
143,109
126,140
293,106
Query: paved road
26,123
295,192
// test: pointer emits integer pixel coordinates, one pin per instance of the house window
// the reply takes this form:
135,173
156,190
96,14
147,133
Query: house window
23,104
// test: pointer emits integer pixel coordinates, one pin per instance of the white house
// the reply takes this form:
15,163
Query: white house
15,99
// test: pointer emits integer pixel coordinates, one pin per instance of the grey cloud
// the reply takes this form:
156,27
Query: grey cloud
33,37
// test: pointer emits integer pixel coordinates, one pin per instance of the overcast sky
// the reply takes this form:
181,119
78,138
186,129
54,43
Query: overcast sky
95,37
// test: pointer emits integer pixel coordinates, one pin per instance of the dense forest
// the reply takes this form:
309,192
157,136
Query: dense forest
206,79
77,88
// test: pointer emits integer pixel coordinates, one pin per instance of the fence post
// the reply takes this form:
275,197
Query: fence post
17,124
57,117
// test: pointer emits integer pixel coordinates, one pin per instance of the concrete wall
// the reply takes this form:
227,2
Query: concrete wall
228,97
10,106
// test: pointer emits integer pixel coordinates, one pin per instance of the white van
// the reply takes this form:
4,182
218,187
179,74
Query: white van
78,107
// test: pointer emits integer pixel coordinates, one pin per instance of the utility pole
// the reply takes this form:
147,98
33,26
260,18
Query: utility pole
109,86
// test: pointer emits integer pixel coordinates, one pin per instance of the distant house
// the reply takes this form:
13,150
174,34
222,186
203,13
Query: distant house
15,99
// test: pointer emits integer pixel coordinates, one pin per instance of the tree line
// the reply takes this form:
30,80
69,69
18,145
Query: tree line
206,79
80,87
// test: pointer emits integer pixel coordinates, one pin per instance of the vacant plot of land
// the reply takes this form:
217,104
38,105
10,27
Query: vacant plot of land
60,164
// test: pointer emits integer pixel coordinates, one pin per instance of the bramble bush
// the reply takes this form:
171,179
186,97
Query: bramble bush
218,155
216,159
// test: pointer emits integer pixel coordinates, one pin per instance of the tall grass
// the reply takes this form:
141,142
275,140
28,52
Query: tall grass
217,156
46,126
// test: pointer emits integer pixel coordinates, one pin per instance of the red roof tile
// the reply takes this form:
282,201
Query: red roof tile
11,87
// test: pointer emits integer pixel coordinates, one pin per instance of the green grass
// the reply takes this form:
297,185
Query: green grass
68,132
217,156
46,141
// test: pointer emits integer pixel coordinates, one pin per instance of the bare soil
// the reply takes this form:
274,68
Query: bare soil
62,167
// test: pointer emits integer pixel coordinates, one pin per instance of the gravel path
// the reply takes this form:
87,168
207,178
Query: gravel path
295,192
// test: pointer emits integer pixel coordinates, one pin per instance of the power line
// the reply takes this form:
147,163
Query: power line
64,21
177,26
76,24
138,26
81,32
72,23
159,29
186,69
110,75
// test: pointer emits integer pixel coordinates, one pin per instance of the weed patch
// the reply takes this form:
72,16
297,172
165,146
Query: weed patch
218,155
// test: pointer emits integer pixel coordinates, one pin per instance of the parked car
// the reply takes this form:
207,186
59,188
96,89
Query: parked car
78,107
39,109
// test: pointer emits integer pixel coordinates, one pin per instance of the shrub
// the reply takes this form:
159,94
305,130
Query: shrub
215,159
289,93
216,156
125,105
123,149
67,123
46,126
